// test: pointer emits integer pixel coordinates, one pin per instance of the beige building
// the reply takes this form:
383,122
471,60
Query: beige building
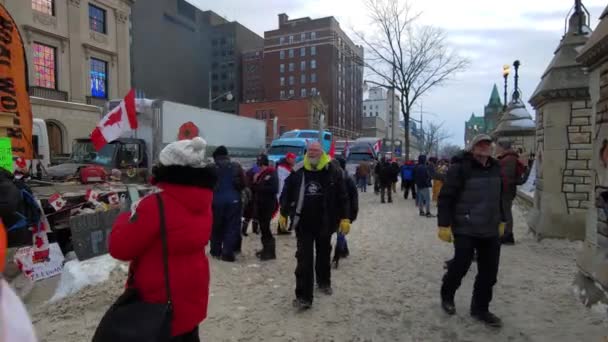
78,57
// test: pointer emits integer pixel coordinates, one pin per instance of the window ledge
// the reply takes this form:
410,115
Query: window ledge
98,37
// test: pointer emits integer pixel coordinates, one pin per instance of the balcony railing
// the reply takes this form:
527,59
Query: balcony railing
48,93
96,101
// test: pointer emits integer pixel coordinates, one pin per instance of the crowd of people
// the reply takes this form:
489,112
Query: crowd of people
201,202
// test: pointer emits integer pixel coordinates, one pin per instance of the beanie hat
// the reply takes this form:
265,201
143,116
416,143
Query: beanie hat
188,153
221,151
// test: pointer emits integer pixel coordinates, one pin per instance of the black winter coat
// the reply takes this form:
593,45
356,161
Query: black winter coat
470,199
353,195
335,197
265,189
385,173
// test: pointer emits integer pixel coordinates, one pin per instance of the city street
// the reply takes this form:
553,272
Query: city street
386,291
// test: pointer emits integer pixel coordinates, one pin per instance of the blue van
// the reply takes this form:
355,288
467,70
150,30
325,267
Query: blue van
296,142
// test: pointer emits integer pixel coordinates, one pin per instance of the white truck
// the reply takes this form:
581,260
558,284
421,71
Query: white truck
160,123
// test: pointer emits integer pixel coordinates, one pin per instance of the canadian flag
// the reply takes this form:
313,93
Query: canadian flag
378,146
91,196
332,149
121,119
57,202
113,199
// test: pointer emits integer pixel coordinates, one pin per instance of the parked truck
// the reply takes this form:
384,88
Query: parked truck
160,123
296,142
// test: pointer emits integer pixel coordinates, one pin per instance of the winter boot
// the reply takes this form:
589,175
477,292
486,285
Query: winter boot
448,306
487,318
326,289
268,252
302,304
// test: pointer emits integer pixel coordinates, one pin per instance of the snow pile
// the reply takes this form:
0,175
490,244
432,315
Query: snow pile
78,274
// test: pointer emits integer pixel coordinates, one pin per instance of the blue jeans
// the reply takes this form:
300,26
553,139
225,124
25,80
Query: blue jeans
423,198
363,183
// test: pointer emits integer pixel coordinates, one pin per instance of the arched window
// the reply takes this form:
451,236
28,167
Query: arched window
55,137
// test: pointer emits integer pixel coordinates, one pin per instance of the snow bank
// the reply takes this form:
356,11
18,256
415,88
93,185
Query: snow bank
78,274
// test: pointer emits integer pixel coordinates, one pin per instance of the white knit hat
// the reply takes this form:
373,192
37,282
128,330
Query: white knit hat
189,153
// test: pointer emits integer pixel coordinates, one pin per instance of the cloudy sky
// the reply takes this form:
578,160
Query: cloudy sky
490,33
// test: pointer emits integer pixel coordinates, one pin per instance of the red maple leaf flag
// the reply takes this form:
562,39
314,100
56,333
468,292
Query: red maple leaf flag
121,119
332,149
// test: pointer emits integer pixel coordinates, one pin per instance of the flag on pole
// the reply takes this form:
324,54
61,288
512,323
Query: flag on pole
378,146
346,152
332,149
121,119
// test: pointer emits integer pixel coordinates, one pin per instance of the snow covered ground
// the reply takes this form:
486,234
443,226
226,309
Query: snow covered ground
386,291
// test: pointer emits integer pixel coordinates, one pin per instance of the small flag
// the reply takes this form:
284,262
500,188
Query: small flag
332,149
57,202
113,199
346,152
91,196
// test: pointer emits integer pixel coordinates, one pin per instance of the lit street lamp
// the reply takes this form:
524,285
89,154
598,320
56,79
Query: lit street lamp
506,70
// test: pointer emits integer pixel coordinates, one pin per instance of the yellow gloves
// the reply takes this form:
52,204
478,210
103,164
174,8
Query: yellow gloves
445,234
501,229
345,226
283,223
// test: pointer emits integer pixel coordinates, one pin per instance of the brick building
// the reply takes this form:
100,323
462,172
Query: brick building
302,113
306,57
253,71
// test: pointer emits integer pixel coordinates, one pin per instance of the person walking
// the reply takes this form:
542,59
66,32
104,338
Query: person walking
363,173
513,174
422,178
321,205
227,206
342,250
284,169
470,215
395,174
187,185
249,206
265,188
407,179
385,179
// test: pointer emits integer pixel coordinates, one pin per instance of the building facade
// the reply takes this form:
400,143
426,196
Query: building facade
308,57
373,126
253,72
475,125
207,48
303,113
493,110
78,58
379,103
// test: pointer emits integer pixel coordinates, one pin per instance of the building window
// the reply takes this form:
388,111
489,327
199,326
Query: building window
313,78
282,40
291,80
303,52
45,66
282,80
364,108
282,94
290,39
97,19
44,6
291,53
292,67
282,68
313,35
303,79
303,36
292,93
303,92
313,64
313,91
186,10
282,54
313,50
99,78
302,65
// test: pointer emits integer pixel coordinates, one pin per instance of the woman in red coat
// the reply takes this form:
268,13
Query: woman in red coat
187,193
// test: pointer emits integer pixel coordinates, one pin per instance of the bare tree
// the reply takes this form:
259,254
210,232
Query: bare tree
432,136
405,56
449,150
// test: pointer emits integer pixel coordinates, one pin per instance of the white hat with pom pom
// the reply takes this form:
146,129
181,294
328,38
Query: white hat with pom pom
189,153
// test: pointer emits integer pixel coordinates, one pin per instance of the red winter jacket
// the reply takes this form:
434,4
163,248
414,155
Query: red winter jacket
189,217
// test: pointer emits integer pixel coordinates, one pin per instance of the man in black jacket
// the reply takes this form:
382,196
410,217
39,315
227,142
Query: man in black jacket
385,178
470,209
265,188
318,194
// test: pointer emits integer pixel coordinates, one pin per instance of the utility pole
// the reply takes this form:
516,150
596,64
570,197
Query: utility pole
393,109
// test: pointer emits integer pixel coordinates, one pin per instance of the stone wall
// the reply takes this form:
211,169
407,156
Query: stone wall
577,173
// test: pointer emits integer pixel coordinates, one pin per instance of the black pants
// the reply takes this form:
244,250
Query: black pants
310,238
386,189
264,218
226,230
407,186
488,258
507,208
187,337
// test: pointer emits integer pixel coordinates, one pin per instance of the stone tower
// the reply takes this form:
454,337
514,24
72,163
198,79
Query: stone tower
492,110
563,134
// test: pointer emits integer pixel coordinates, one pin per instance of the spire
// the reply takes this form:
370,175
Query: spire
495,98
578,22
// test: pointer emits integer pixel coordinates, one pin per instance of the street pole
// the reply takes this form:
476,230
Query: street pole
506,70
393,110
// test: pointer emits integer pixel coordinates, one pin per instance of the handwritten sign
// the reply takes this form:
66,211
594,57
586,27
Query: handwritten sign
35,271
6,154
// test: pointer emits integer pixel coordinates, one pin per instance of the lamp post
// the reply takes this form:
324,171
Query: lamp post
516,94
506,70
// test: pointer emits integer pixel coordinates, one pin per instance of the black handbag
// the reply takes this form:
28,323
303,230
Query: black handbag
130,319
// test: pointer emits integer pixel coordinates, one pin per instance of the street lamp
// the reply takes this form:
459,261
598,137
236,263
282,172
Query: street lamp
227,95
506,70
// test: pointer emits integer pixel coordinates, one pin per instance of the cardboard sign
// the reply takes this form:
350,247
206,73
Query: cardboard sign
90,233
36,271
6,154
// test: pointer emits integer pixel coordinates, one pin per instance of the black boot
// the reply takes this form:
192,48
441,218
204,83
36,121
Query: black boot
448,306
487,318
268,252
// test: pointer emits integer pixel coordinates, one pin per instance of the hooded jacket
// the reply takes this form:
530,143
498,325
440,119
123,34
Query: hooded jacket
136,237
422,174
511,177
407,171
265,188
335,197
470,199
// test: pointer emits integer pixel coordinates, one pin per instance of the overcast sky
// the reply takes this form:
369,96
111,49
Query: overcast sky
489,32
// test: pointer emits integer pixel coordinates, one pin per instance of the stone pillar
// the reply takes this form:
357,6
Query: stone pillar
123,51
77,73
